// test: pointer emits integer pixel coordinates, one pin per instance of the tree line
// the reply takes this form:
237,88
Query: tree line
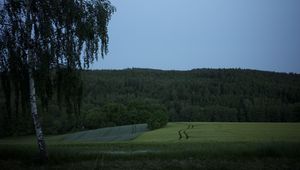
120,97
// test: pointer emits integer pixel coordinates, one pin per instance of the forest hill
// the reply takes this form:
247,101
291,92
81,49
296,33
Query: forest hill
120,97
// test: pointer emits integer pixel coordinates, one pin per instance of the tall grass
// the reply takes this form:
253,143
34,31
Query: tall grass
218,152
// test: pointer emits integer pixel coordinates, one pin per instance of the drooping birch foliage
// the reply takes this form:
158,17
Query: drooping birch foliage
54,38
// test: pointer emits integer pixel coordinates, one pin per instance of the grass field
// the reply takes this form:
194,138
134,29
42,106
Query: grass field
225,132
177,146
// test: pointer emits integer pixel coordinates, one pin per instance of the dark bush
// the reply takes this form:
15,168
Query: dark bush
157,120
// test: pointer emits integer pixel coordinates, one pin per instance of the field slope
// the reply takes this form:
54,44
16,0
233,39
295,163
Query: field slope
224,132
186,145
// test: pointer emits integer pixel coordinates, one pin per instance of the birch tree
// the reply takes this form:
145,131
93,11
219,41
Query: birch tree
39,38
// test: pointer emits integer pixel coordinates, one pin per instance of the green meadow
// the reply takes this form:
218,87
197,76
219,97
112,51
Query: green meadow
224,132
186,145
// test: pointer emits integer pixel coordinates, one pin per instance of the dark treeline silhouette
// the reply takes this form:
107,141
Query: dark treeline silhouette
118,97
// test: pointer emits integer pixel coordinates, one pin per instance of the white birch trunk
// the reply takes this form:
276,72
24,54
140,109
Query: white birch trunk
38,128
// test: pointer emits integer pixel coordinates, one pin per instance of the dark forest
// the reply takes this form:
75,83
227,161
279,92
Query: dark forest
131,96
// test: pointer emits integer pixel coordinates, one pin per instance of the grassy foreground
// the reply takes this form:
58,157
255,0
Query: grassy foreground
177,146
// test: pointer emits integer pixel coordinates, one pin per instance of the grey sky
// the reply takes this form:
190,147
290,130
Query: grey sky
186,34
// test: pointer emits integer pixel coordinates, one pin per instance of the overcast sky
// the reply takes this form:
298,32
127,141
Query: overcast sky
187,34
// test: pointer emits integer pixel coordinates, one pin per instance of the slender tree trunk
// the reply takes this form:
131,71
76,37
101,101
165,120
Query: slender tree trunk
36,121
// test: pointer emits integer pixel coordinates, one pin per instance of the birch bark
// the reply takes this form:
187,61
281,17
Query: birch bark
36,121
